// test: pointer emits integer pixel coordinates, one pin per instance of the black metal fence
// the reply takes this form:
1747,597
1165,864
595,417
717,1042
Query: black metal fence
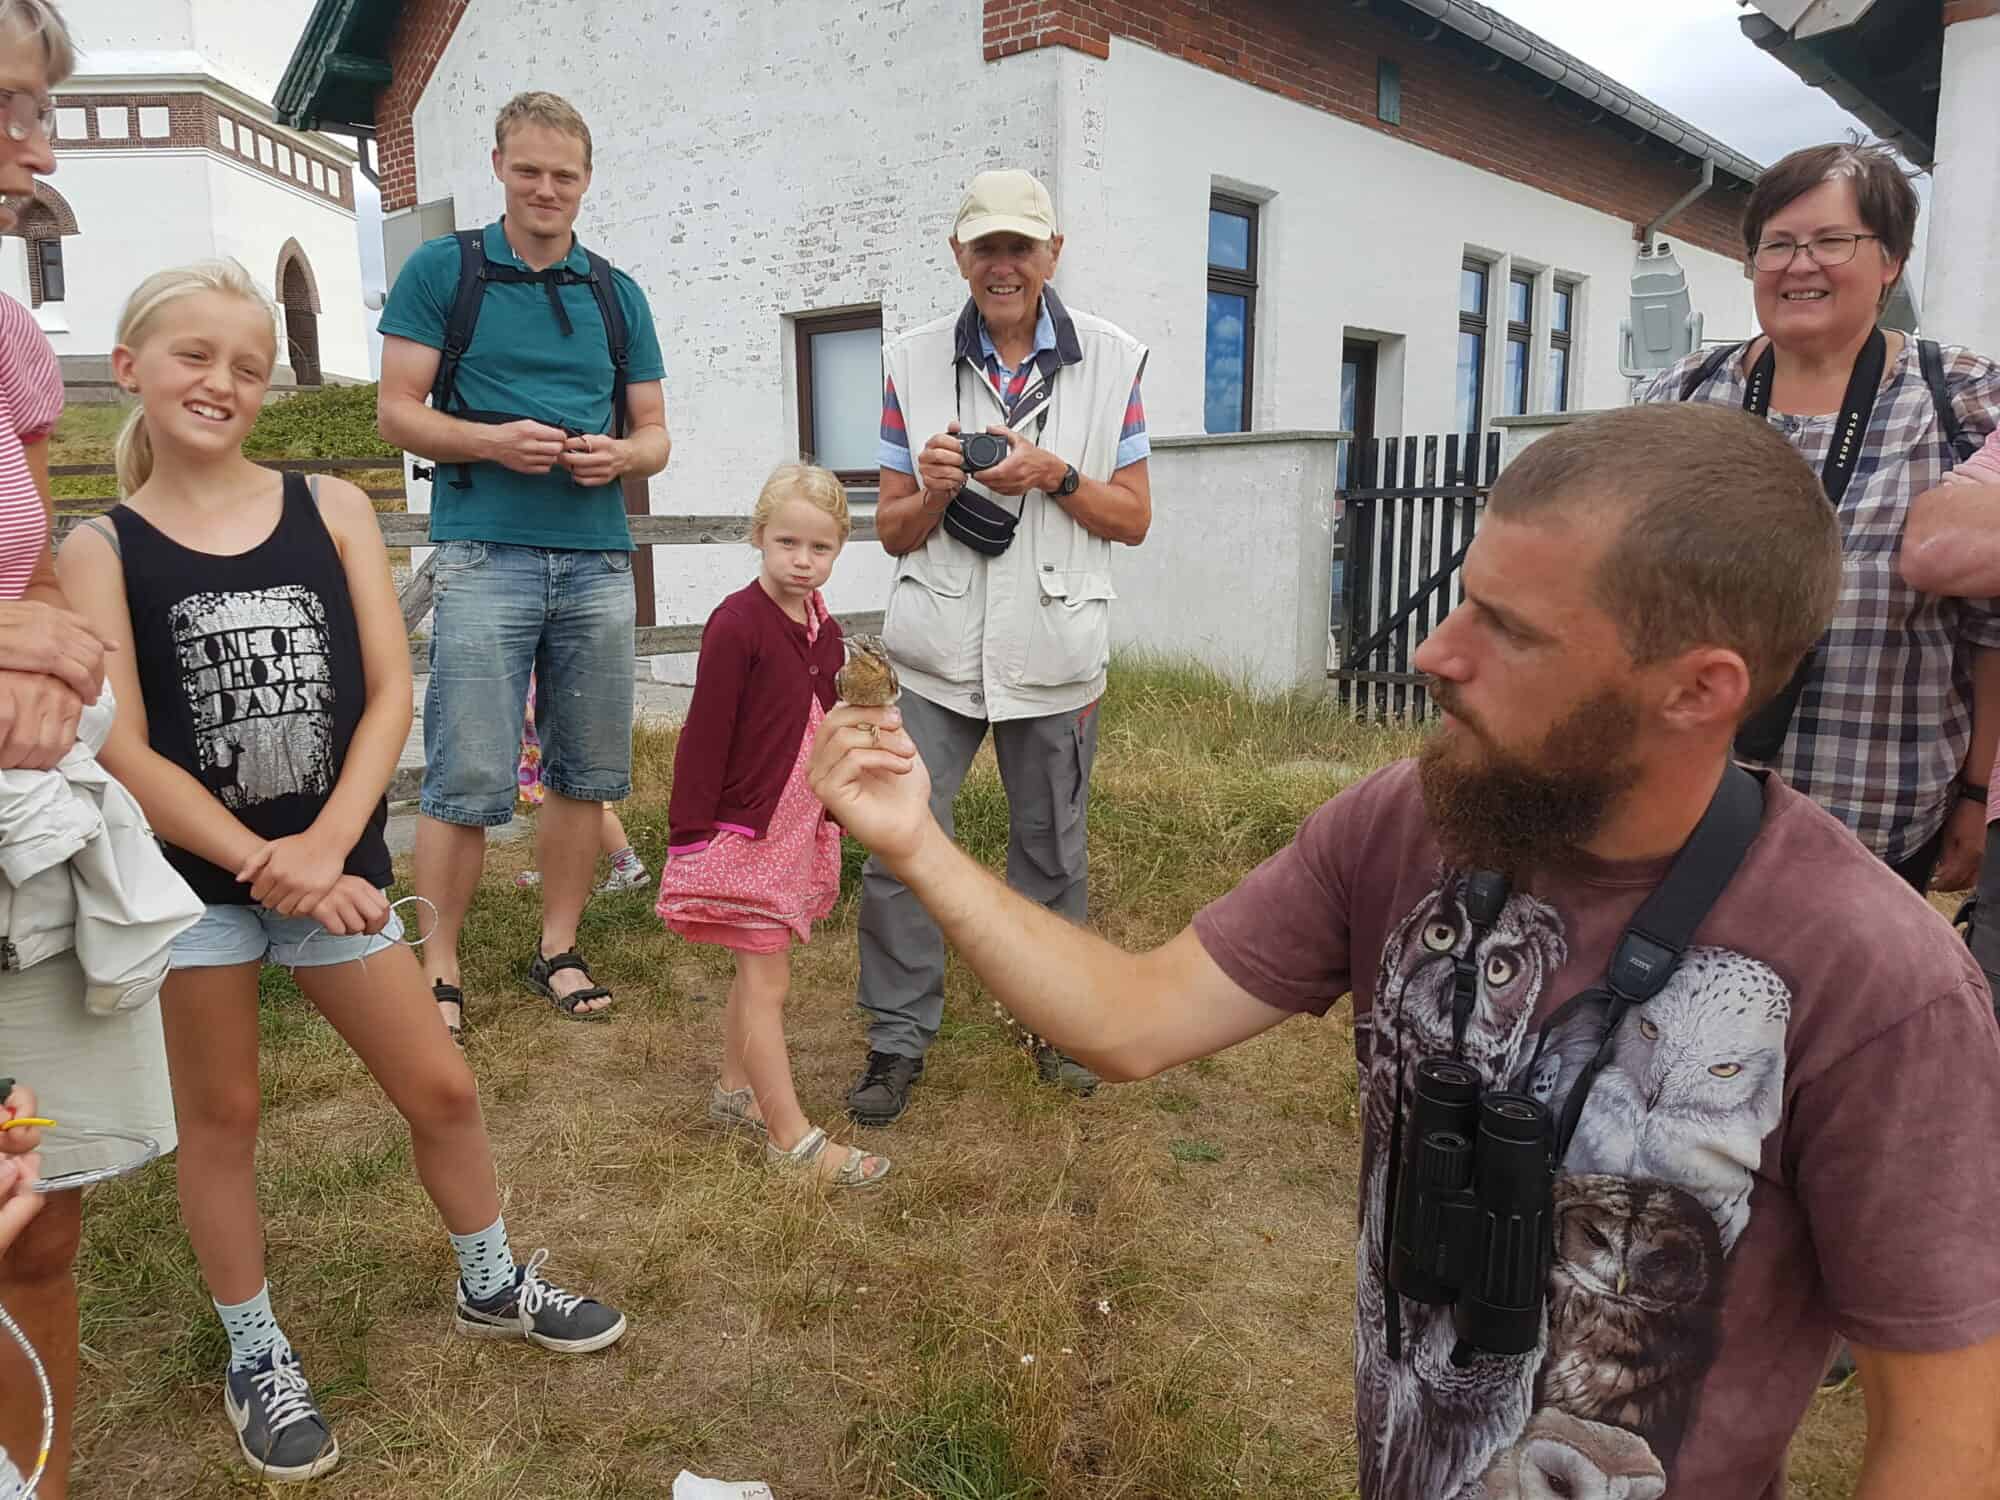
1411,508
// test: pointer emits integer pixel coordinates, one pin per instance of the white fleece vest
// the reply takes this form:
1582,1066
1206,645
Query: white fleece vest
1026,634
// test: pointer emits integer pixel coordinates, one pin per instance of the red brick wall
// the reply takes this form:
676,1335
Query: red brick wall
1324,55
422,31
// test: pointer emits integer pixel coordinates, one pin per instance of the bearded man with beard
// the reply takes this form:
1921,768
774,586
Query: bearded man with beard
1787,1145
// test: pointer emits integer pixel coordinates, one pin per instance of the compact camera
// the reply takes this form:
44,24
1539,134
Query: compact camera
983,450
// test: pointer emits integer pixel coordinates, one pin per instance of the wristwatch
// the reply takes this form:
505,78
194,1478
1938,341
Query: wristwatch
1970,791
1070,480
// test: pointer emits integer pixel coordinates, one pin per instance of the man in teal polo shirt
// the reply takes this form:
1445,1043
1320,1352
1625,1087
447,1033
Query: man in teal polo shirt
534,560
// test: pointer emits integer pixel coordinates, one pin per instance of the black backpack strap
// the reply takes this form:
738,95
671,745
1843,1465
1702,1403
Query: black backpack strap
605,290
458,328
1705,371
1930,358
464,314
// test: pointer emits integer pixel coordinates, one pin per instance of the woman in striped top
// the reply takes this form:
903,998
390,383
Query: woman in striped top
90,1070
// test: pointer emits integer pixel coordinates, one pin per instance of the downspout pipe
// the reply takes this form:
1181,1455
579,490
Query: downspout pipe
1484,27
1667,215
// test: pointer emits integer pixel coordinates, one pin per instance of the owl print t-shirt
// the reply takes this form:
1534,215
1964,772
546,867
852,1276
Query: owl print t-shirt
1792,1141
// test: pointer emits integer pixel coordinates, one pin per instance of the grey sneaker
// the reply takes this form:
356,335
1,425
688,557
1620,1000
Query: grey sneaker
542,1314
279,1429
627,879
1065,1071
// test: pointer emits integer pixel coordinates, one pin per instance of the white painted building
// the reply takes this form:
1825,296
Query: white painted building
166,152
1397,216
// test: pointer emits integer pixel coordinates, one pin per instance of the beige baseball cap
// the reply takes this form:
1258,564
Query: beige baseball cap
1009,201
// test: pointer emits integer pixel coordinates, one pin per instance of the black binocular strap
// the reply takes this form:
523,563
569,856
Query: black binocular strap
1660,931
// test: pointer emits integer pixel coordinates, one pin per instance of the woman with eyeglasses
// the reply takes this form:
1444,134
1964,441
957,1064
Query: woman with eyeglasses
95,1071
1891,723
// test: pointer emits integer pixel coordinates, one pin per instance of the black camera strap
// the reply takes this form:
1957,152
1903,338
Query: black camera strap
1660,931
1762,735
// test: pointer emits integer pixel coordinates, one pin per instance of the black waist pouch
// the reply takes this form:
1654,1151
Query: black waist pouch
980,524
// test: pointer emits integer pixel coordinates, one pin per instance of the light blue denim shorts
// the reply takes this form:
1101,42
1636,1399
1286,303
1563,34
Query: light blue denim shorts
252,934
500,612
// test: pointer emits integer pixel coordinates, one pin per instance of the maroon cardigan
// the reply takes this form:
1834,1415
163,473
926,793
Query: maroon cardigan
753,689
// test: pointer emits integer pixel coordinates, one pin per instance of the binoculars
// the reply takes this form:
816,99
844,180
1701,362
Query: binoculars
1473,1222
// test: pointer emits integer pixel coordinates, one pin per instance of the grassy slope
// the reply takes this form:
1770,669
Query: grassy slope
335,422
868,1345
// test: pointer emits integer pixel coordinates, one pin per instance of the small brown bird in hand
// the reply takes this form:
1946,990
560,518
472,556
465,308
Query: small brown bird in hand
867,680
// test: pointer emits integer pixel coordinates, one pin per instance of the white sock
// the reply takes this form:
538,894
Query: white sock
252,1328
485,1262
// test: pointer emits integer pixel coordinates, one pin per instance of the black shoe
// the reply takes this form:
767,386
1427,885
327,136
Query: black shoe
1065,1071
882,1092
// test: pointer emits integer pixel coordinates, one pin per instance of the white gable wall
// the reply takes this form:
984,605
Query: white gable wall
751,165
1361,231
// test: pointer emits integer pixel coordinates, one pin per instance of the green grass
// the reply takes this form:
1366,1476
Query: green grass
331,422
1147,1295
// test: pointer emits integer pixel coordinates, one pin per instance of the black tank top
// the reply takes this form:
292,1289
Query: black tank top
250,667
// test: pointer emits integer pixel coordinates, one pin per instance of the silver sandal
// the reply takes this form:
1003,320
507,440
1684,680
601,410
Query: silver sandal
730,1109
804,1157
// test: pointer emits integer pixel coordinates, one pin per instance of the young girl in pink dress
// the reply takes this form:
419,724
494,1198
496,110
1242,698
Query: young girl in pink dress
752,859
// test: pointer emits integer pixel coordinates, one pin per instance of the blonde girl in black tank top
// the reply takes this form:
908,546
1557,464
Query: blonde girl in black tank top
263,682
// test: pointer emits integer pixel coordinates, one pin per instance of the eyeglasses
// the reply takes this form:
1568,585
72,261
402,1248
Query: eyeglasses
23,112
1823,249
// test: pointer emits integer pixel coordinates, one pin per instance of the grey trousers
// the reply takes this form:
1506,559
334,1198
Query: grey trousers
1045,768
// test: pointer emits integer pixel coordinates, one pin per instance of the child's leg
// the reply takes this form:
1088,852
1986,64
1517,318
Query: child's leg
754,1043
381,1010
613,835
755,1030
209,1018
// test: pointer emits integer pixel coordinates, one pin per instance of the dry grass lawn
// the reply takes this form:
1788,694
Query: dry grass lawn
1146,1294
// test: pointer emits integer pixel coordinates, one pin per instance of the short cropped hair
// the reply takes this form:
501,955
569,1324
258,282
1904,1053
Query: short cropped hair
1727,539
39,22
538,107
1887,201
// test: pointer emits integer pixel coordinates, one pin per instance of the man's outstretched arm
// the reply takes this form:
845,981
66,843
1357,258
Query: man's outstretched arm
1123,1015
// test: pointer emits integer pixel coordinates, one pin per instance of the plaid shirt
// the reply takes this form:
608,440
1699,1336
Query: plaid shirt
1886,717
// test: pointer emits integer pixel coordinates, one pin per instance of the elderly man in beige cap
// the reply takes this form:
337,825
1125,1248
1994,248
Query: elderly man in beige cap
1002,525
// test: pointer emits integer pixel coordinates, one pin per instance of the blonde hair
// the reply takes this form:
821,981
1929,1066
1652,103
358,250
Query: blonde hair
39,21
134,457
818,487
538,107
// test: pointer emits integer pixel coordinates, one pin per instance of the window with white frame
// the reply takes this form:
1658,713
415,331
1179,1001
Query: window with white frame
1470,378
1562,321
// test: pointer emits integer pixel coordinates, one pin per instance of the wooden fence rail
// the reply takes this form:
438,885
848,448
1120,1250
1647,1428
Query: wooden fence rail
405,529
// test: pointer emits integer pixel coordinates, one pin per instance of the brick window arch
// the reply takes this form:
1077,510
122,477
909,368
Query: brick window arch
298,294
44,223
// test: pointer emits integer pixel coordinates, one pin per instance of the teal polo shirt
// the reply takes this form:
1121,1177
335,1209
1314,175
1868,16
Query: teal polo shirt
520,362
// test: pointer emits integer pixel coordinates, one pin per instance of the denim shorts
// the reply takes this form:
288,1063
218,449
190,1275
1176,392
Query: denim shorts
500,613
251,934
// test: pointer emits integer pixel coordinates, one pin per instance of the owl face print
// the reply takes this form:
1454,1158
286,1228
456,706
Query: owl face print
1514,962
1641,1243
1695,1084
